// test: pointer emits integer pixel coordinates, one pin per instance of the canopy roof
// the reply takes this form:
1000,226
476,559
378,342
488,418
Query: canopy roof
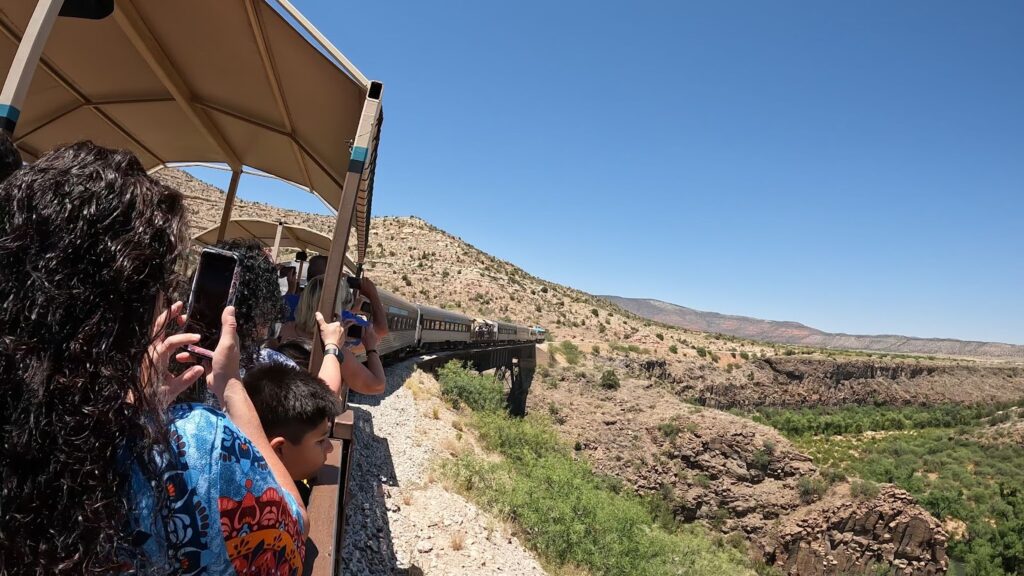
226,81
265,232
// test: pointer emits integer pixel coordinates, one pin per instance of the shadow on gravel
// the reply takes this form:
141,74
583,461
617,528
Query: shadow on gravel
369,548
396,374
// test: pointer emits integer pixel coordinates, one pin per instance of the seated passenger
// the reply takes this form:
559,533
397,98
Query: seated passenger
290,296
344,367
316,267
98,477
296,410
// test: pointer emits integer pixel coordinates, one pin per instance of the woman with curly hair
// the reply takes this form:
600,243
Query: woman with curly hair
96,475
258,303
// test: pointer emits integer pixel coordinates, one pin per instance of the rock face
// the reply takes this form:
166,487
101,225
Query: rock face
795,381
739,477
850,537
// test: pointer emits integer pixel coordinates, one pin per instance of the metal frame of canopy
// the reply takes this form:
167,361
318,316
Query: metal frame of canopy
243,87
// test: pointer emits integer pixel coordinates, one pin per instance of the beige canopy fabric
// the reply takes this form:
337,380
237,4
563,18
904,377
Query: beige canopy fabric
227,81
265,232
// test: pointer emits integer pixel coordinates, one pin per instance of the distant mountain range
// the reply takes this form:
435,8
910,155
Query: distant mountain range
798,334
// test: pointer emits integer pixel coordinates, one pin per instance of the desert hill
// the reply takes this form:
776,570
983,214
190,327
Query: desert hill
422,263
798,334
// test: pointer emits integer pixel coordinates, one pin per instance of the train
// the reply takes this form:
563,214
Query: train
418,327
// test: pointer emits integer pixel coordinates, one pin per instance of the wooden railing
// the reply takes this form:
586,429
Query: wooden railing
328,503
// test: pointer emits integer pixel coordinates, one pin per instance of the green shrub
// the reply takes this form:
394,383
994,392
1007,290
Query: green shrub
595,349
762,460
660,336
669,429
833,476
811,488
745,355
863,489
673,349
571,352
594,312
610,380
827,421
460,385
701,351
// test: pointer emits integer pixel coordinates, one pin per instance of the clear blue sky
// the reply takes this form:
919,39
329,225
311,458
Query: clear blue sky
856,166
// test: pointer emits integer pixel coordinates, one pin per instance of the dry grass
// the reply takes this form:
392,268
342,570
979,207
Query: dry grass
458,541
452,446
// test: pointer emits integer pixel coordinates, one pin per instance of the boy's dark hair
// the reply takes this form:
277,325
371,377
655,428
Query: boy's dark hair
296,350
290,401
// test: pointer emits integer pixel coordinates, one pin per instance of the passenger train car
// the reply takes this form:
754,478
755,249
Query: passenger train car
419,327
403,324
443,328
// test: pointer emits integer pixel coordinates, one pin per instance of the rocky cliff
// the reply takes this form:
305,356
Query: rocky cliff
800,381
741,478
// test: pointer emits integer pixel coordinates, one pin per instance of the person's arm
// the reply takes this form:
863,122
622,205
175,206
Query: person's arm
380,319
369,379
226,384
330,369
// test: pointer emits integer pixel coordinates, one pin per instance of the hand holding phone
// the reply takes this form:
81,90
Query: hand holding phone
355,324
161,351
213,290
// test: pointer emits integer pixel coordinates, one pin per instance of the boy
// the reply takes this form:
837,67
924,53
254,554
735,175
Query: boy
296,410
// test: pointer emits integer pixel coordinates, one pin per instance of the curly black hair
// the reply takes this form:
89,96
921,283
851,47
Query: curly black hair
258,302
88,244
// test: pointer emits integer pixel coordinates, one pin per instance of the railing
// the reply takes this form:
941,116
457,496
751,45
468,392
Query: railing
328,503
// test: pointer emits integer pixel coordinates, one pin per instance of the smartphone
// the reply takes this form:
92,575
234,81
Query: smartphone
354,333
213,289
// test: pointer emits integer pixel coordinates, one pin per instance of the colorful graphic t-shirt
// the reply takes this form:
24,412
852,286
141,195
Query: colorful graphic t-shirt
225,512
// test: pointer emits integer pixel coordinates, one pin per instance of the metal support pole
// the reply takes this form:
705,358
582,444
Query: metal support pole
343,224
19,77
229,203
277,240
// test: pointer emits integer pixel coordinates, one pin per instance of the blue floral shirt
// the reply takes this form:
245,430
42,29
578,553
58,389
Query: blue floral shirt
225,511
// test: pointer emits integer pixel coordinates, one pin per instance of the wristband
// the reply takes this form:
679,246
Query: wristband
368,352
333,350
